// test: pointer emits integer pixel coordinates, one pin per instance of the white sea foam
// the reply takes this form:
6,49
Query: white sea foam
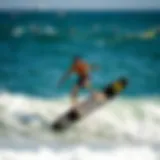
18,31
122,120
81,152
47,30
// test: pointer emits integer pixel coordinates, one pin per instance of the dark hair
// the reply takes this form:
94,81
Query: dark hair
77,57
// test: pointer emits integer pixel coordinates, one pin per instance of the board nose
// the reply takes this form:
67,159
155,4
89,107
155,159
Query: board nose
123,81
116,87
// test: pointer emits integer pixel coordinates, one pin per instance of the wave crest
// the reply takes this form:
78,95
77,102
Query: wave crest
124,119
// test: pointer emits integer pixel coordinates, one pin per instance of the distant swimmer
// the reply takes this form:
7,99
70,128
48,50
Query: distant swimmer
82,70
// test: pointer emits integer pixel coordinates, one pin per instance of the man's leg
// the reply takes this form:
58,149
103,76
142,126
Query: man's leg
74,94
88,86
94,94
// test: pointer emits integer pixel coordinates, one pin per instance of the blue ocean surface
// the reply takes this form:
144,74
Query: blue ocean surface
36,48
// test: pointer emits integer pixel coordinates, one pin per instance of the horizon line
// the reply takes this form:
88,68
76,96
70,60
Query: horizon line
78,9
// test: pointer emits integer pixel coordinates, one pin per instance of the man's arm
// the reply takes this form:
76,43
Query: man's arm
93,67
64,77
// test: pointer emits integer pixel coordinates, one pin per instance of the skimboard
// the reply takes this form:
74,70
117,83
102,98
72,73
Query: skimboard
94,102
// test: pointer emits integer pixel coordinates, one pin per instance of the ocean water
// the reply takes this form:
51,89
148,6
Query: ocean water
36,48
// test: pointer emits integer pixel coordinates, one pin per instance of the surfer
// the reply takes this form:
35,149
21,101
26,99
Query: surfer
82,70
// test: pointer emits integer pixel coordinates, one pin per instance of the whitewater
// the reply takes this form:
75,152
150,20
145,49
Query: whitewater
118,130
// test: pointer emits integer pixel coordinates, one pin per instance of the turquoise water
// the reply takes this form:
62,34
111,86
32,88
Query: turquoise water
36,48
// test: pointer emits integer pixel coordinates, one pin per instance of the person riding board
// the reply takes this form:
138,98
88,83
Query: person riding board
82,69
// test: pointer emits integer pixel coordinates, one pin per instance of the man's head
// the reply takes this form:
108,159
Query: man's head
77,59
